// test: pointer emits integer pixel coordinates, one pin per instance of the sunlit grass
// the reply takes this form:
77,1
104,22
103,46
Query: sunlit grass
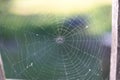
25,7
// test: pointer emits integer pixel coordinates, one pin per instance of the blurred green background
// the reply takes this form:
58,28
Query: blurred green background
20,19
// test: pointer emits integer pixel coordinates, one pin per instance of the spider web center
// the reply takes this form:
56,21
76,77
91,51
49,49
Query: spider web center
59,40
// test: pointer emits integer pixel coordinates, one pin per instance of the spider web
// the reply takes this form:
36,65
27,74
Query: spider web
65,51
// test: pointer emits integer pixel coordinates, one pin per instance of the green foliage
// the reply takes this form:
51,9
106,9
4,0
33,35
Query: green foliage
30,34
100,20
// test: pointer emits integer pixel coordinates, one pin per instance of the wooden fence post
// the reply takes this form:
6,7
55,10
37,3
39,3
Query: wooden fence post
114,53
2,75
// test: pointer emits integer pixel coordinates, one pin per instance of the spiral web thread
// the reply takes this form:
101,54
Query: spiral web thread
66,52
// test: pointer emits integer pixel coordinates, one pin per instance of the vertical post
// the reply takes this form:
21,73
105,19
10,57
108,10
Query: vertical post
118,55
2,76
113,67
